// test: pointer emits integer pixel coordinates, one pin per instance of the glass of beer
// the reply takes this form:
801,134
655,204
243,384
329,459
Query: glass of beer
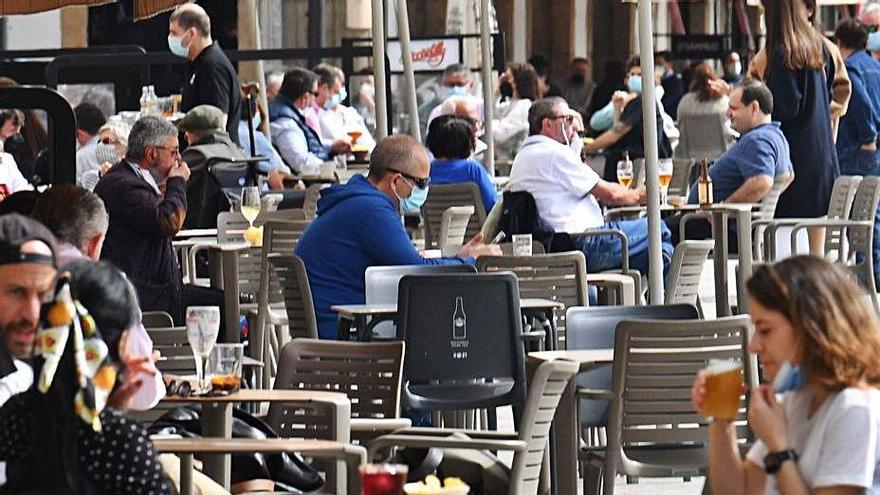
724,385
665,169
224,365
625,172
383,479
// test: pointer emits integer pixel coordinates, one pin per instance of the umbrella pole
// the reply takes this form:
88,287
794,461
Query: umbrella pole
652,177
406,54
379,70
488,87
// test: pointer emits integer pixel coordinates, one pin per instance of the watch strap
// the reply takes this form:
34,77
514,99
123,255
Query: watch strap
773,461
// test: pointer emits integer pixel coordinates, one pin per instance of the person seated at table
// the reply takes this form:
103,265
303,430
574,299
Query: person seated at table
299,145
144,220
452,139
89,120
813,327
567,192
61,436
204,130
330,117
744,173
359,225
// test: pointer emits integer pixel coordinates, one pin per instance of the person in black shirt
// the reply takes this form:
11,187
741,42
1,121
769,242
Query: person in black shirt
210,77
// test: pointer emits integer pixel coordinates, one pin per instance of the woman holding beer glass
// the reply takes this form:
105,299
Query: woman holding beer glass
819,346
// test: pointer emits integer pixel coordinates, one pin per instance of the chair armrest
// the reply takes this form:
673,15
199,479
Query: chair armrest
380,424
624,242
625,213
824,222
626,283
442,432
457,442
594,394
687,217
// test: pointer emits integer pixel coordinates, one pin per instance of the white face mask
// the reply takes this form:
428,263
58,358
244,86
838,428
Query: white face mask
577,144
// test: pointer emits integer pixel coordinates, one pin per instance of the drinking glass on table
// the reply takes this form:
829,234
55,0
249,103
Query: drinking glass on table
202,327
625,172
224,366
665,169
250,203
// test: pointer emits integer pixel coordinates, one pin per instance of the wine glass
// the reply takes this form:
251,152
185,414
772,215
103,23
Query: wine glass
202,327
665,177
250,204
625,172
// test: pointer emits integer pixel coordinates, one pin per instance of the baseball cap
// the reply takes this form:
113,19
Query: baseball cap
15,230
203,118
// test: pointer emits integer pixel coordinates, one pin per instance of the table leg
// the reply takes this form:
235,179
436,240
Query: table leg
719,258
744,240
360,325
217,423
565,451
552,337
186,474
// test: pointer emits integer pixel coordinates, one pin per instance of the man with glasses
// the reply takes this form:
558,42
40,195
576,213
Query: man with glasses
145,196
870,17
359,225
567,192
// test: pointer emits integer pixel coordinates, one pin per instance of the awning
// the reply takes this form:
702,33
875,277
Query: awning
142,8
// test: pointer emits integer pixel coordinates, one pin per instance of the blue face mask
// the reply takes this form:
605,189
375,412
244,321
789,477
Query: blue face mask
414,202
456,91
258,119
634,83
874,42
788,378
175,44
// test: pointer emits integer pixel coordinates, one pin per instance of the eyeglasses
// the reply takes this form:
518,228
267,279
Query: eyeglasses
107,140
181,388
173,151
420,183
314,93
568,118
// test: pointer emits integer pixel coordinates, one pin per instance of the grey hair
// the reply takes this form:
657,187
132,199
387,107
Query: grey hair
148,131
545,108
328,74
120,128
72,213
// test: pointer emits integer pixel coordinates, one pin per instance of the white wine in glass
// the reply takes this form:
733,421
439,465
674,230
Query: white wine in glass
250,204
202,327
665,177
625,172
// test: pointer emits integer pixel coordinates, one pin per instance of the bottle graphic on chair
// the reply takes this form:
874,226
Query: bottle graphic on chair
459,320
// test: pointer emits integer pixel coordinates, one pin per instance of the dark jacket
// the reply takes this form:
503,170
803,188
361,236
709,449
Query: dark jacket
142,225
204,192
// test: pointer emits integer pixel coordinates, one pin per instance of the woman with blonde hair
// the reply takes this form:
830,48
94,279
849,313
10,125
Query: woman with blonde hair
818,343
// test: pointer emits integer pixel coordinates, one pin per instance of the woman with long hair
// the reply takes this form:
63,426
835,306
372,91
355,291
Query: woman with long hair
511,123
704,97
818,342
799,72
58,437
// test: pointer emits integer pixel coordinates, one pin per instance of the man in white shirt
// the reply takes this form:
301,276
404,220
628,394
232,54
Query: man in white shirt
89,120
567,192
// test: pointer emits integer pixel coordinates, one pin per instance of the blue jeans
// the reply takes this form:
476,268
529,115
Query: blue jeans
605,253
866,163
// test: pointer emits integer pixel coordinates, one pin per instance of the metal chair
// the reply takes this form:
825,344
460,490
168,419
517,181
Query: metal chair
702,136
685,271
653,430
453,226
441,197
859,231
528,444
367,372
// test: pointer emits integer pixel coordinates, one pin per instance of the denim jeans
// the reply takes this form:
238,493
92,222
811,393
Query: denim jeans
866,163
605,253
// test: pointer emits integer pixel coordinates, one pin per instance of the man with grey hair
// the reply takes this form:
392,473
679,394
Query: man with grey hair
870,17
359,225
143,218
210,77
273,84
78,219
567,192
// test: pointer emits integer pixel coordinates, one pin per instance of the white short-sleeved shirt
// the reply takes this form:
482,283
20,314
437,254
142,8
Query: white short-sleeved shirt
838,446
10,174
560,183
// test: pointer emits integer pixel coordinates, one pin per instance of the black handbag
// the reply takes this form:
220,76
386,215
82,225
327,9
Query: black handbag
288,470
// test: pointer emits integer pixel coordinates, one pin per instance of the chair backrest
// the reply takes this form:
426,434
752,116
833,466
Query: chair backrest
702,136
545,389
453,227
593,328
839,207
368,372
310,202
683,278
156,319
767,209
464,344
281,236
173,345
681,174
864,208
441,197
298,303
381,283
655,363
556,276
507,248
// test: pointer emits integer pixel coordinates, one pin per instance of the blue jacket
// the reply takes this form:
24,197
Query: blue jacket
861,124
282,108
357,226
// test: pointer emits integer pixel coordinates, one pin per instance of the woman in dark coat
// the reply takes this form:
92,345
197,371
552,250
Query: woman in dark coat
799,75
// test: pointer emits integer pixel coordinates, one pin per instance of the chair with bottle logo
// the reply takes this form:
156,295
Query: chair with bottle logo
441,197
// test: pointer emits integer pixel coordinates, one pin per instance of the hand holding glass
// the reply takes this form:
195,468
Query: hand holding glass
202,327
724,385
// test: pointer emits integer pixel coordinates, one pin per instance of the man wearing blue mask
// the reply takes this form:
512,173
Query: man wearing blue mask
359,225
870,17
210,77
627,133
457,82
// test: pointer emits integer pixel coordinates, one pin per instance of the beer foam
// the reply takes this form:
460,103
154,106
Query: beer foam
718,366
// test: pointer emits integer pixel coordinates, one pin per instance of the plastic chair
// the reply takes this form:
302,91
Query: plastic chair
681,173
310,203
441,197
367,372
453,226
463,340
381,287
156,319
653,430
859,229
529,443
507,248
702,136
685,270
593,328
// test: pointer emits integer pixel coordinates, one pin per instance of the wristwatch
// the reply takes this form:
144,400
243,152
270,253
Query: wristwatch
774,460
